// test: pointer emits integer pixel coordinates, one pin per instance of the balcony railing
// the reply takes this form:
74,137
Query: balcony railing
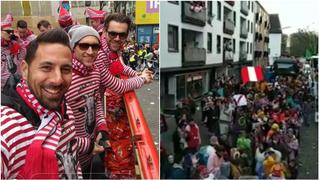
228,26
193,17
228,56
194,56
243,56
244,31
244,7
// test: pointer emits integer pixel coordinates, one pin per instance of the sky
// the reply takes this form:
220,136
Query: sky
295,14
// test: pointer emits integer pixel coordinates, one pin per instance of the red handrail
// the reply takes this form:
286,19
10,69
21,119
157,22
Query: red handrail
147,154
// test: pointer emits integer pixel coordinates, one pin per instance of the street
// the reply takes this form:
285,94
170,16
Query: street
308,152
148,97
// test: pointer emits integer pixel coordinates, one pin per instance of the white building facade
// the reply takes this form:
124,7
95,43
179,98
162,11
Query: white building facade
198,47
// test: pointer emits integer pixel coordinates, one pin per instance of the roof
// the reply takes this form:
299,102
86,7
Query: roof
275,24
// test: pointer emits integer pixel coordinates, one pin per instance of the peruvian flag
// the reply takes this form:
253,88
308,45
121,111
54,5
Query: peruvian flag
251,73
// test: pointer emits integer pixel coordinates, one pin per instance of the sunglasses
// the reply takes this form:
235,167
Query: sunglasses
122,35
85,46
9,31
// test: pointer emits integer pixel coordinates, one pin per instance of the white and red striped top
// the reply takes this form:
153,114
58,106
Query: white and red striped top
84,99
111,82
17,134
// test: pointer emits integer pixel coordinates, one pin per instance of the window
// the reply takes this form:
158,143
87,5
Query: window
250,48
251,27
247,47
209,41
218,44
248,26
210,8
251,6
181,87
234,18
173,38
219,10
195,85
234,45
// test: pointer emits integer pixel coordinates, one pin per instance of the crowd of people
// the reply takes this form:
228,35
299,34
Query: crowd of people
52,120
254,130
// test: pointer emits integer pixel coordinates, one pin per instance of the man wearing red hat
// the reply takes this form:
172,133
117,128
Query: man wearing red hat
65,21
12,50
96,18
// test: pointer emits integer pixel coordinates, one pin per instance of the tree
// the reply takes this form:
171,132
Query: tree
302,41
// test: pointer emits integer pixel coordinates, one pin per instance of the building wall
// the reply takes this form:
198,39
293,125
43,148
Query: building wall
275,46
170,14
261,46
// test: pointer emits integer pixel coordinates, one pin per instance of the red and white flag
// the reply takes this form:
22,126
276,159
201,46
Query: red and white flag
251,73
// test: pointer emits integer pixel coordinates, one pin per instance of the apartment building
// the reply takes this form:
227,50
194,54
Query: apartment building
199,46
261,36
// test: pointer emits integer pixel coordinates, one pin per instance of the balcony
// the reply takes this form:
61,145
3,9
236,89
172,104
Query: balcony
228,26
194,56
243,56
231,3
244,31
193,17
244,7
228,57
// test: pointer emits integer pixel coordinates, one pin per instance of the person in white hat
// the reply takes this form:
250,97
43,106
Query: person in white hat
12,50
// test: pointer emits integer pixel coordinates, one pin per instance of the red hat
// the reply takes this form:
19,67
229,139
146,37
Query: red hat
7,22
95,14
64,19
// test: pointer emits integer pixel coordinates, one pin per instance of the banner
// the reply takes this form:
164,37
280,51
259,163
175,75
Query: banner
147,12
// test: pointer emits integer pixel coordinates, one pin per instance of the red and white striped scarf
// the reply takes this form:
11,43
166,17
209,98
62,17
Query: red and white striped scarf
41,161
79,68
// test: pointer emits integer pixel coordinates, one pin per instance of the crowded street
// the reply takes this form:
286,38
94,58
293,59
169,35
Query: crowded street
275,121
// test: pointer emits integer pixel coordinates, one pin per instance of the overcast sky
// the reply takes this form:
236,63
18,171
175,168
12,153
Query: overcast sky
295,13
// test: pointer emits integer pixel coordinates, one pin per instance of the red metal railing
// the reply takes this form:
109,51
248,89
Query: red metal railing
147,154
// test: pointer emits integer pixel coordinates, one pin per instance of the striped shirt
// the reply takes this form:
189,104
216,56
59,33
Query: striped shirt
84,99
17,134
111,82
5,54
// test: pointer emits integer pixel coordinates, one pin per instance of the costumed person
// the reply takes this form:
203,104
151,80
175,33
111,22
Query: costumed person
96,18
38,139
65,20
12,50
120,162
25,34
84,99
44,26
